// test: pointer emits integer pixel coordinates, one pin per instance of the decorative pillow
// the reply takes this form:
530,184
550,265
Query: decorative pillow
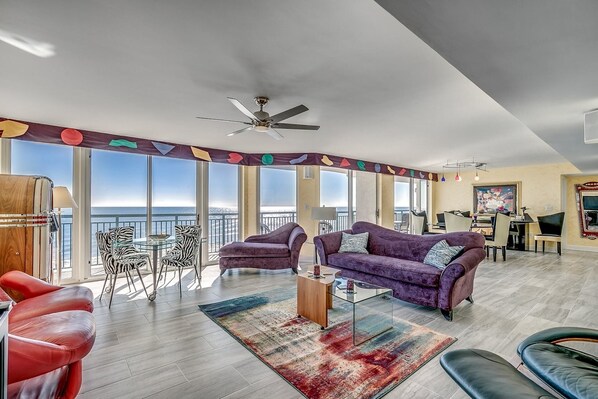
355,243
441,254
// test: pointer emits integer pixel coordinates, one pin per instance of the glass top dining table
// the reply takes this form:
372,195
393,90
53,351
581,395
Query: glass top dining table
155,245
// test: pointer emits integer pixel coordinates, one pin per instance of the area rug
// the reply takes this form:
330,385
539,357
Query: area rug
324,364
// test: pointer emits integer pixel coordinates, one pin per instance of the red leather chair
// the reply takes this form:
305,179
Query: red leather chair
40,298
45,352
49,331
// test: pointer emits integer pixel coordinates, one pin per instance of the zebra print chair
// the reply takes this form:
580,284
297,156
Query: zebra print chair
184,253
116,260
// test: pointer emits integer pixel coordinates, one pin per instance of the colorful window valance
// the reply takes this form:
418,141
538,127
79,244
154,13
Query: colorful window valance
22,130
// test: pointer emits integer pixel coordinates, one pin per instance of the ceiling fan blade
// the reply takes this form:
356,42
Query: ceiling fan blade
274,134
239,131
295,126
288,113
222,120
242,108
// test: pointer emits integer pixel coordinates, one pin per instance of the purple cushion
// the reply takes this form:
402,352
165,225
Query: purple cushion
392,268
254,250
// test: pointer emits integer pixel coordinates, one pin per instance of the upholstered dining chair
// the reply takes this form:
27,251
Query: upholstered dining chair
551,228
115,262
500,235
455,223
184,253
418,222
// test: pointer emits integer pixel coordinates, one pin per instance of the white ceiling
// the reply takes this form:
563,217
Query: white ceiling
537,58
146,69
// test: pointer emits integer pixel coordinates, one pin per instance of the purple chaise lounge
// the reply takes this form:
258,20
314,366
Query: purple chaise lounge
395,261
276,250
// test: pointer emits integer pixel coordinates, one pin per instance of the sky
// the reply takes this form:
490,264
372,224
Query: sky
119,179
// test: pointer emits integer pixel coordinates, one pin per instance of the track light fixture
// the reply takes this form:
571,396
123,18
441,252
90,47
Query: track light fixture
473,164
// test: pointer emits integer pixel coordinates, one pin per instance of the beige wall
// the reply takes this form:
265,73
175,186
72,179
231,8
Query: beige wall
308,196
540,189
250,198
574,240
386,200
365,196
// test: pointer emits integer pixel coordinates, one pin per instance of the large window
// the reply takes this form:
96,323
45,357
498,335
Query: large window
278,197
402,204
173,194
334,192
118,196
223,206
55,162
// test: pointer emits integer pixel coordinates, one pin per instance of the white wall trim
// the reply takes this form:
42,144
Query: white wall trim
580,248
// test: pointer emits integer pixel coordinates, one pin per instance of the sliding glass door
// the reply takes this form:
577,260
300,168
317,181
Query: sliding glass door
278,197
118,196
334,192
402,204
173,194
223,207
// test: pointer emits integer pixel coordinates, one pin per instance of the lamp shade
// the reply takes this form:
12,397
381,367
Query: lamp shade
323,213
62,198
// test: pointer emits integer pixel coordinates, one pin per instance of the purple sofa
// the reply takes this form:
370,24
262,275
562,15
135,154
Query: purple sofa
395,261
278,249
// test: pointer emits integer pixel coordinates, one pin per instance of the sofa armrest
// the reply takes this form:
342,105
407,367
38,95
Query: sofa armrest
456,280
45,343
327,244
559,334
468,260
296,240
27,285
28,358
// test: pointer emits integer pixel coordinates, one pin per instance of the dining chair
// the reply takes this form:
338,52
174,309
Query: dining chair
500,235
455,223
184,253
404,227
417,222
551,228
114,263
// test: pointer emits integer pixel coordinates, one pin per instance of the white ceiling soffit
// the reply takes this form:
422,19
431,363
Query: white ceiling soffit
146,70
537,58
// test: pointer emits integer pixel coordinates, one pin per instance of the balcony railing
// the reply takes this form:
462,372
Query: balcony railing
222,228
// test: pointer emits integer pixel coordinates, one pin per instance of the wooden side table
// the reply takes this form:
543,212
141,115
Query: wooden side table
313,294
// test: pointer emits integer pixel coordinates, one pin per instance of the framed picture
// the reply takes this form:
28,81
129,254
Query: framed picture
488,199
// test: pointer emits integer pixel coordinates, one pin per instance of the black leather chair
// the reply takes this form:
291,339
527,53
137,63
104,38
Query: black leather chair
570,372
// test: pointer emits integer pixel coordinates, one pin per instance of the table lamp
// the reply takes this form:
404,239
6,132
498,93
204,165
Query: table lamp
61,199
322,214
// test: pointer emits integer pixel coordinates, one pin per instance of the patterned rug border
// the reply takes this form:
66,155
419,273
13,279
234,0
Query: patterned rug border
381,394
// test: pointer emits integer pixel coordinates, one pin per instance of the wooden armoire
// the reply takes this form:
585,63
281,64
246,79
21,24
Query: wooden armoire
27,249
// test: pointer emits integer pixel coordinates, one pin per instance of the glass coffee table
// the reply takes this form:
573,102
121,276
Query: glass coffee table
372,308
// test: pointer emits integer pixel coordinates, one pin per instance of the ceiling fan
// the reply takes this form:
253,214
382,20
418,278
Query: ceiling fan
261,121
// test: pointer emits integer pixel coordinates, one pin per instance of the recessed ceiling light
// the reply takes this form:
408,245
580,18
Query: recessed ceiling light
31,46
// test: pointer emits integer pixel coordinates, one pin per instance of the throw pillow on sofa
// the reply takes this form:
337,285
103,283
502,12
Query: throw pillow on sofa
441,254
355,243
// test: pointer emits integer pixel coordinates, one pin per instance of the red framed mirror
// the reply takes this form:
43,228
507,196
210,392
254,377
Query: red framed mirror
586,197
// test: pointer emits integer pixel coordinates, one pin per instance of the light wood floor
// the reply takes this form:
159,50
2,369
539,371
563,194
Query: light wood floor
169,349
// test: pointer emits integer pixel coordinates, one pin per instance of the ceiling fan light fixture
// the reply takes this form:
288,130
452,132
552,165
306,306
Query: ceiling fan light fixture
262,129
